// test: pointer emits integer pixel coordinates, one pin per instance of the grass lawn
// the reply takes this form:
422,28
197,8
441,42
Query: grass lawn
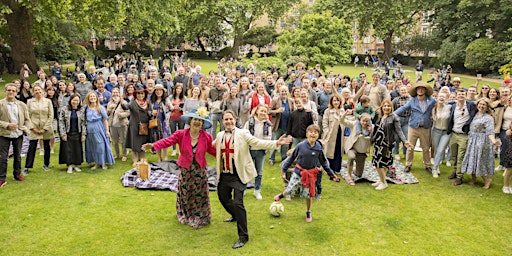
90,213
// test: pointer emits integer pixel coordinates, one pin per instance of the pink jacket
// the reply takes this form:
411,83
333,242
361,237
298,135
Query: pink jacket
182,138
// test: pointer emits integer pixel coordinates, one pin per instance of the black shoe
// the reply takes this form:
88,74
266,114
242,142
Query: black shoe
452,176
407,169
240,243
230,219
428,169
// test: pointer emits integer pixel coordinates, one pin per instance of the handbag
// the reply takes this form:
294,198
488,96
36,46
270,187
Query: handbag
153,123
143,127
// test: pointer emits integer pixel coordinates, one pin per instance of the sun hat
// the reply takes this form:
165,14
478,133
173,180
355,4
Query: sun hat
139,88
199,113
428,89
160,86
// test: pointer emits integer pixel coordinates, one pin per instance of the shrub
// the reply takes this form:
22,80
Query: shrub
76,51
484,55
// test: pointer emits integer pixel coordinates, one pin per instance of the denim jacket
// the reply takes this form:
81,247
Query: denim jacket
417,115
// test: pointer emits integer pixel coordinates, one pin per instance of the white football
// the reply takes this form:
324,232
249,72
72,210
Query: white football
276,209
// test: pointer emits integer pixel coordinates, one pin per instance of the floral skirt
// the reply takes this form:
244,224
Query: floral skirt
192,199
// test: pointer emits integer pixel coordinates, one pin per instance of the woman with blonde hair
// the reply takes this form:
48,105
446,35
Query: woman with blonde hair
383,138
260,127
244,92
118,123
440,135
40,110
97,141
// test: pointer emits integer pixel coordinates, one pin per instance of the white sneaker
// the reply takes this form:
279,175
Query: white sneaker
77,169
52,152
173,152
432,161
288,197
435,173
257,194
41,152
70,169
382,186
376,183
507,190
397,157
499,168
448,164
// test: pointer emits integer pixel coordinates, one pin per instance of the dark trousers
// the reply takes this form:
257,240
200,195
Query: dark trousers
31,154
4,155
231,196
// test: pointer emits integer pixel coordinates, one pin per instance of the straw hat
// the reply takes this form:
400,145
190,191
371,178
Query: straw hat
160,86
199,113
428,89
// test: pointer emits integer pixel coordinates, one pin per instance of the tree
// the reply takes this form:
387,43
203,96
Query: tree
229,18
387,18
321,39
484,55
260,36
417,44
35,21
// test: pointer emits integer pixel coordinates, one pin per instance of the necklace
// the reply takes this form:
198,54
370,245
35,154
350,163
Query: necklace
194,138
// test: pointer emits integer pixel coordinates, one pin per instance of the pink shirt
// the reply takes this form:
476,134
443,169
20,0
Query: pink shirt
182,138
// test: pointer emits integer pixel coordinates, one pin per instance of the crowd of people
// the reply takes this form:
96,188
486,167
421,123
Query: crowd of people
237,112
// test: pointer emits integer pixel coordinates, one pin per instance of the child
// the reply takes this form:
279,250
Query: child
363,107
308,154
300,119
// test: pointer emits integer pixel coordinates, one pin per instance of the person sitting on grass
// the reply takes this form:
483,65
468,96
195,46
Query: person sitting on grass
308,154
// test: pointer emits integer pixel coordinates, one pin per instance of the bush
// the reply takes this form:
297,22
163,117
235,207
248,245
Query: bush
76,51
505,69
484,55
267,62
225,52
57,50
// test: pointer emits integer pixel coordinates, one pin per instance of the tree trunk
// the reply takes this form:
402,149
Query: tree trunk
388,46
200,43
236,45
20,23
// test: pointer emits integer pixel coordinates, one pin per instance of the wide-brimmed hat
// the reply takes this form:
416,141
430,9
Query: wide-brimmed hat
160,86
199,113
428,89
139,88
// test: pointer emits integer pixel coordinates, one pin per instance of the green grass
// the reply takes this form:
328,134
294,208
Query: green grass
90,213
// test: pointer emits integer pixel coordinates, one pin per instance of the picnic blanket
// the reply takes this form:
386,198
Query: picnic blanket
394,175
164,176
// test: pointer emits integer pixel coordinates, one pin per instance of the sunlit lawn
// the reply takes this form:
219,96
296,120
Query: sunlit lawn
90,213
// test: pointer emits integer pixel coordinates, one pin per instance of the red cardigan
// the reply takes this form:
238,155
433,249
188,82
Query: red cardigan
182,138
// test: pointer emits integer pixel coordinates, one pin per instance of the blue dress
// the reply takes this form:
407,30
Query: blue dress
162,130
479,158
97,145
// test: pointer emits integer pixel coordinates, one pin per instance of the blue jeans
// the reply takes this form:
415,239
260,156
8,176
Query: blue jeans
284,148
176,125
216,118
440,140
404,123
258,157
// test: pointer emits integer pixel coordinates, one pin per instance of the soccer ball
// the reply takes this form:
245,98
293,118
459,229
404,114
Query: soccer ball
276,209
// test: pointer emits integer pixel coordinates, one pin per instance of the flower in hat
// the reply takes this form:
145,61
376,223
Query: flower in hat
202,112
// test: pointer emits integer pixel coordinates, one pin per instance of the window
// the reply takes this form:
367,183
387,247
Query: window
116,45
354,50
282,24
271,23
366,40
366,50
354,25
354,37
380,50
379,41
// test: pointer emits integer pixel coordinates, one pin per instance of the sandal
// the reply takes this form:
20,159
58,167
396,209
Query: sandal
351,182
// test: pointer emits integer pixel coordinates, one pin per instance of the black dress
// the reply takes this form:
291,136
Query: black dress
137,115
71,151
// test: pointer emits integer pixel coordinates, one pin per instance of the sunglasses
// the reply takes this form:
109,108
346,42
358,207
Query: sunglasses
485,88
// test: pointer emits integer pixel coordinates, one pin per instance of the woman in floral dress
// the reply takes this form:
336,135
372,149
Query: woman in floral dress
192,199
479,158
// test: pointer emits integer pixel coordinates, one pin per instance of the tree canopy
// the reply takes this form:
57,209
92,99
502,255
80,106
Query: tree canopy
321,39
